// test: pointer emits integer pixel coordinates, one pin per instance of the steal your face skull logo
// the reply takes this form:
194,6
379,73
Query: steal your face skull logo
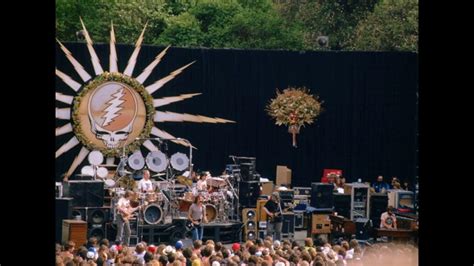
112,109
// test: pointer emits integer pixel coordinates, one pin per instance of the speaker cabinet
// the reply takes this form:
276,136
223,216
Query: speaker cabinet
342,204
96,218
93,215
322,195
63,212
249,191
378,205
363,227
247,171
86,193
249,218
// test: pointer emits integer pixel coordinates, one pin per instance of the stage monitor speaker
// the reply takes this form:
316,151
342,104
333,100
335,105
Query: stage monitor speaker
378,205
63,212
86,193
363,226
322,195
249,191
342,204
249,219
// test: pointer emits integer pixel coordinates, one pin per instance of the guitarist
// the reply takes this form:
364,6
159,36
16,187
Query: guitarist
274,216
124,213
197,215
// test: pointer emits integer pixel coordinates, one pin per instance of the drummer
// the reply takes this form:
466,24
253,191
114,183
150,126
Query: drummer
145,185
202,183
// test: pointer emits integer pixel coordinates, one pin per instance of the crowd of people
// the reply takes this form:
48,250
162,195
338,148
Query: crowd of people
261,252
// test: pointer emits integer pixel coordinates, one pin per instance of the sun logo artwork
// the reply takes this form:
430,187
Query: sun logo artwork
114,111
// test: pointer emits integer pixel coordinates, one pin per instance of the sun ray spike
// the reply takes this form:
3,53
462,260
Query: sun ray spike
68,80
149,145
155,86
67,146
167,100
64,98
113,53
95,60
133,58
144,75
63,113
77,66
77,161
176,117
64,129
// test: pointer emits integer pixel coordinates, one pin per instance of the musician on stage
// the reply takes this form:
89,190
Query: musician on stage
274,211
388,219
197,215
124,213
202,183
145,184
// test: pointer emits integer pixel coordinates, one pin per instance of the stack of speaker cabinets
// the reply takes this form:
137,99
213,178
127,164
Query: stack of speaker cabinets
249,219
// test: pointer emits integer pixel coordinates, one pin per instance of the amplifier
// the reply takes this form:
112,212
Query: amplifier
303,191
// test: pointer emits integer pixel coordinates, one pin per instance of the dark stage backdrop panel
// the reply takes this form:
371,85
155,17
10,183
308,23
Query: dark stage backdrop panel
368,127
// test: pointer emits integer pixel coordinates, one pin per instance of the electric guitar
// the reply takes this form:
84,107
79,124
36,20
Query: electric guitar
191,224
276,214
129,212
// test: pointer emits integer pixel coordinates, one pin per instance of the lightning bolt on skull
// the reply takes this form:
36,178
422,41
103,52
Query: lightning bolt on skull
112,109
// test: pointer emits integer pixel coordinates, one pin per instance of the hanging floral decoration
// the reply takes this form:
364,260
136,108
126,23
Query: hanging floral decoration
294,107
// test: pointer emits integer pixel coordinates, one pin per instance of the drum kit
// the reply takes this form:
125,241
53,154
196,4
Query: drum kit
218,199
166,199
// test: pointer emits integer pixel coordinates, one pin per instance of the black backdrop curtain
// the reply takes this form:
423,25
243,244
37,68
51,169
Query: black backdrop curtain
368,127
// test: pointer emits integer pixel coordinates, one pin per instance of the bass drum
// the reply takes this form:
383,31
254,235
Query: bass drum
153,214
211,213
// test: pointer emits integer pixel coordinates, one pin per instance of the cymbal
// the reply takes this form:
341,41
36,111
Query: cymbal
184,180
108,165
82,175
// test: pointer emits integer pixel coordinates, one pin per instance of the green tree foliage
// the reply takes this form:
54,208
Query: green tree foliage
335,19
183,30
267,24
392,26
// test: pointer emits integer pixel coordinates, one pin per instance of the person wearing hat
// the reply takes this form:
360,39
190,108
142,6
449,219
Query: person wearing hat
274,212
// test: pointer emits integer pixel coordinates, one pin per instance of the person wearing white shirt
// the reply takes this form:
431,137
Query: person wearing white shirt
145,184
202,183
